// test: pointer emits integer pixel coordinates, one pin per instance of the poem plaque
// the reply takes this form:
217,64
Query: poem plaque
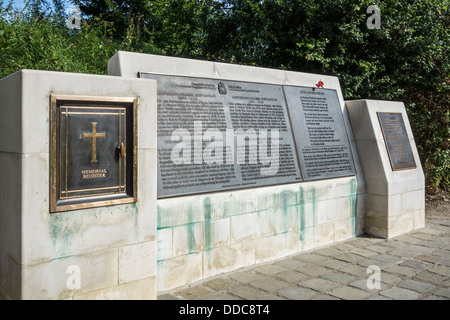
396,140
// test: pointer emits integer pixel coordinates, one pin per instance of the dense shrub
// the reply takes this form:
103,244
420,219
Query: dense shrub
28,41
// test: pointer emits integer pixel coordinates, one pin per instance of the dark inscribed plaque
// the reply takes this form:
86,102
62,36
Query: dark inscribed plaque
217,135
396,140
319,132
92,153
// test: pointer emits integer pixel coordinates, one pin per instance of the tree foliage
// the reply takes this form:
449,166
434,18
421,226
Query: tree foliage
406,60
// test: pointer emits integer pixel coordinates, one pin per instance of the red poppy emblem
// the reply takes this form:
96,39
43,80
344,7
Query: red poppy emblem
320,84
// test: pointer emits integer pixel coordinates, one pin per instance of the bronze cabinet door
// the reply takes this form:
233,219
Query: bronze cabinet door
92,152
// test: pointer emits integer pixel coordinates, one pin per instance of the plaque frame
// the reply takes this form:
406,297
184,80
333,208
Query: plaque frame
410,165
127,193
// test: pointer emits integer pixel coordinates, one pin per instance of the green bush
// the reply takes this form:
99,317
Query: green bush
45,45
27,42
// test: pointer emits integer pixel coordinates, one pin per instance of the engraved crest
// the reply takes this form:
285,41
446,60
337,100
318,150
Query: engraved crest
221,87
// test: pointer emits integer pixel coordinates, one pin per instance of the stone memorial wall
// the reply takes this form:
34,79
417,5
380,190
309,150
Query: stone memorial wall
224,201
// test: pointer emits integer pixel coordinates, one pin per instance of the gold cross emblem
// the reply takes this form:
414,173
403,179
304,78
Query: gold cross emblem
94,135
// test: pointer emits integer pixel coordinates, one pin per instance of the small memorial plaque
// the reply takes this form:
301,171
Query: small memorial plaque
396,140
93,154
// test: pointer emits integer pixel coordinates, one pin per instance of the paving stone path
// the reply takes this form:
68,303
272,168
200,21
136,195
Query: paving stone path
412,266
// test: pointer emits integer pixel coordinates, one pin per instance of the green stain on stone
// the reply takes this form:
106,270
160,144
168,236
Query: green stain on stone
62,231
159,215
313,199
353,201
208,229
191,229
304,196
302,217
284,209
283,201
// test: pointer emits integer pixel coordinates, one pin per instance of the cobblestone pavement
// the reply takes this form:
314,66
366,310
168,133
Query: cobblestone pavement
412,266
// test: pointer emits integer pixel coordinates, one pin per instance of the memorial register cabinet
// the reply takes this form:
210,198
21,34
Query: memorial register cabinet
93,151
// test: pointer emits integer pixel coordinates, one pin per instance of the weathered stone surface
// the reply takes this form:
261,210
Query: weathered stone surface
400,294
318,284
220,284
137,261
349,293
417,286
297,293
249,293
244,276
443,292
195,292
268,284
338,277
313,270
290,276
